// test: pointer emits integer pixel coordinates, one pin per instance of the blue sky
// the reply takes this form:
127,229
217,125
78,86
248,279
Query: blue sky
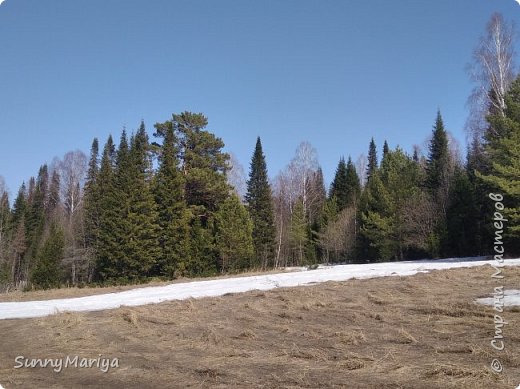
333,73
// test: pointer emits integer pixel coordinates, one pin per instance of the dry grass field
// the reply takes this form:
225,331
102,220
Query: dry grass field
422,331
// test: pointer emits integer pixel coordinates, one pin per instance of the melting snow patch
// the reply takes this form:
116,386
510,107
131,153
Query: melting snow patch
222,286
511,299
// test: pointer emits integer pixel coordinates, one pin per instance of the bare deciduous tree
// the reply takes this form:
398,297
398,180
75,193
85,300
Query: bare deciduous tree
361,168
236,176
420,215
492,70
303,166
339,237
72,169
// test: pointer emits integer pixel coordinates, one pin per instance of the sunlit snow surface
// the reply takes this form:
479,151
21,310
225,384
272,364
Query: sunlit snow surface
511,298
219,287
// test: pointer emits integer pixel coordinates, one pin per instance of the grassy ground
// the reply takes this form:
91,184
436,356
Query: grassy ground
415,332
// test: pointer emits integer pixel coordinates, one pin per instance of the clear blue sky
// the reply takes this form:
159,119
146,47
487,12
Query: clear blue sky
333,73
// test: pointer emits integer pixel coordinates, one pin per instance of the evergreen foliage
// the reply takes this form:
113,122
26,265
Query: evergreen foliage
372,160
234,235
47,272
260,205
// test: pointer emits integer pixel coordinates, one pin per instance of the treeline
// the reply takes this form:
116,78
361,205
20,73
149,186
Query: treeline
172,206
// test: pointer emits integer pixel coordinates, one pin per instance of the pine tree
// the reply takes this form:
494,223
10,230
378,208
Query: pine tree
173,214
47,272
203,163
372,160
260,205
233,238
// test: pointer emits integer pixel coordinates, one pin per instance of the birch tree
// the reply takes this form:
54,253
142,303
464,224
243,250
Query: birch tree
492,71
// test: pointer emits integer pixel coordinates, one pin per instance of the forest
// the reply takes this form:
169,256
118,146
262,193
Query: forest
173,204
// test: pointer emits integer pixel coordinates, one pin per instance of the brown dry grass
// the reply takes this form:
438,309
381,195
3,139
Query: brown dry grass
396,332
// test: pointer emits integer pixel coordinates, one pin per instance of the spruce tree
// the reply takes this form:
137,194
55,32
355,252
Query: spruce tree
131,214
19,206
47,272
35,216
438,158
107,243
54,194
203,256
140,219
353,184
345,187
339,185
298,234
91,196
372,160
415,156
315,217
173,215
388,195
233,238
5,233
462,216
260,205
504,153
385,148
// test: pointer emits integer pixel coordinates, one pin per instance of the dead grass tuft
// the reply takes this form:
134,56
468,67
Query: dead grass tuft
354,337
130,316
405,337
210,337
375,299
247,334
450,370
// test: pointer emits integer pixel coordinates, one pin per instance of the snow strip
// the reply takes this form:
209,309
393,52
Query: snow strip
511,299
219,287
